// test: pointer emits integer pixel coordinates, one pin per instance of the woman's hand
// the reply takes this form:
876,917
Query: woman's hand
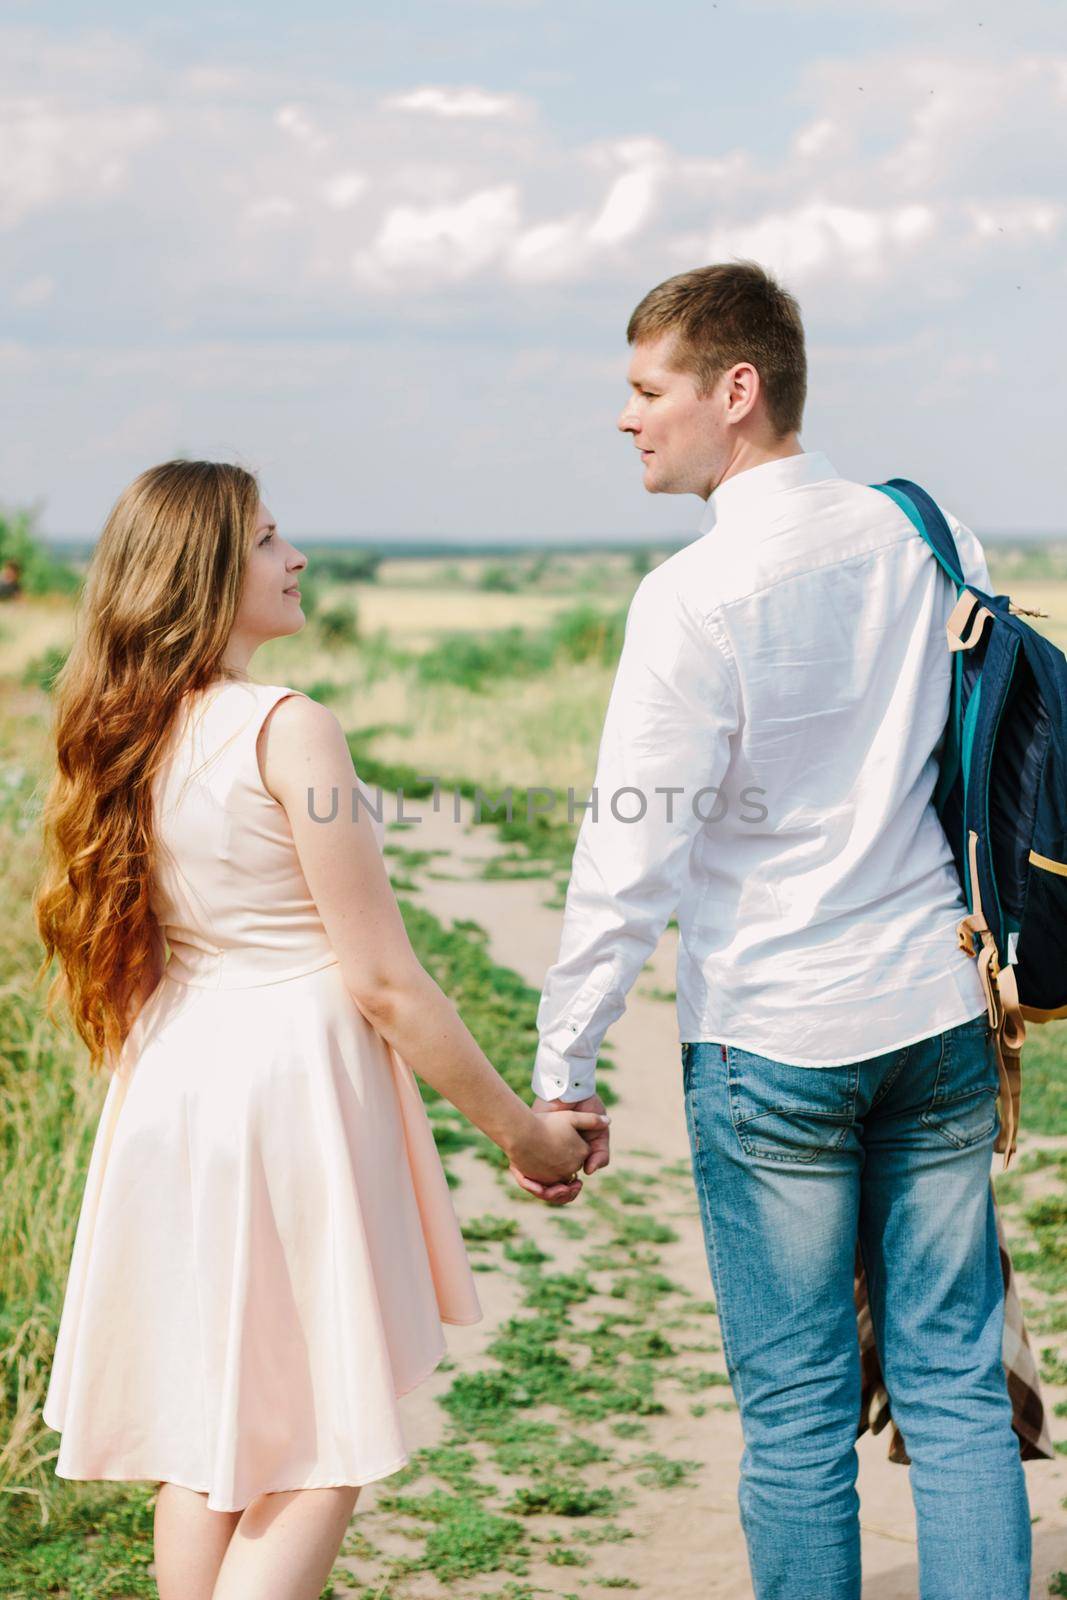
598,1153
550,1147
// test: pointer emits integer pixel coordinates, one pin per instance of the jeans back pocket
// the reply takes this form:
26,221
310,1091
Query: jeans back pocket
963,1106
782,1112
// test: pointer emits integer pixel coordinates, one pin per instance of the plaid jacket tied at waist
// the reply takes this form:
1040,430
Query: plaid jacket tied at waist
1028,1409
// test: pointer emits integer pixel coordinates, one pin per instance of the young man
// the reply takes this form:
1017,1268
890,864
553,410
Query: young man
766,770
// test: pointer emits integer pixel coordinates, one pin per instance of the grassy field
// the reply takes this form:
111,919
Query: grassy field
480,672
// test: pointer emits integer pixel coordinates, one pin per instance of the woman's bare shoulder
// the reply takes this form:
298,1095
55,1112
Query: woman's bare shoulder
301,740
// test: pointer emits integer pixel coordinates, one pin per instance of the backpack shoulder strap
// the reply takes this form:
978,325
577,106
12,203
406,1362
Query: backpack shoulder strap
965,761
926,516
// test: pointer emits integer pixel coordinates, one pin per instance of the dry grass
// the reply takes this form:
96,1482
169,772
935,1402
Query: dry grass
1041,594
48,1102
31,626
567,574
530,733
415,617
525,732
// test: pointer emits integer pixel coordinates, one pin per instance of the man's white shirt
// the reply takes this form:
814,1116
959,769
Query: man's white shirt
766,772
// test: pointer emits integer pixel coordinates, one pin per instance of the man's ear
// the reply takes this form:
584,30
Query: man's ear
742,389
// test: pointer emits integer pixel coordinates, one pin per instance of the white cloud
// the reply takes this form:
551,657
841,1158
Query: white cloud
816,138
626,208
441,242
567,247
214,81
53,60
896,192
294,121
954,377
633,152
549,251
1016,219
50,155
863,186
271,208
36,291
247,228
343,189
703,181
942,14
486,230
941,121
816,239
442,102
134,434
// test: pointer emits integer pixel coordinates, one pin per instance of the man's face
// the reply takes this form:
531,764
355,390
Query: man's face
682,436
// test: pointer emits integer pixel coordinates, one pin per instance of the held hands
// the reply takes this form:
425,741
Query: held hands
554,1184
550,1148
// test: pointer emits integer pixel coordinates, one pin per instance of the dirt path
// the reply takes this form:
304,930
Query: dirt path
687,1541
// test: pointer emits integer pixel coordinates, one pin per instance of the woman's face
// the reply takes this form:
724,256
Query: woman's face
270,599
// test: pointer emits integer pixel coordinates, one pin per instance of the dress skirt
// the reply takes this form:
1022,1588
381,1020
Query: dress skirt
265,1254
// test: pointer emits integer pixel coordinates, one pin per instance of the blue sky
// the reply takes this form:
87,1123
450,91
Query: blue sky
385,256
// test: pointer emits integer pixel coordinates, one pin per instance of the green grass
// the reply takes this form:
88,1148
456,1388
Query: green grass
564,1406
485,1228
473,661
97,1545
459,1537
1043,1107
496,1004
47,1136
663,1471
565,1381
532,1409
564,1365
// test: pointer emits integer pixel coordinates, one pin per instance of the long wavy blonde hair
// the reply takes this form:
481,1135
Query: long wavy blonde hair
159,601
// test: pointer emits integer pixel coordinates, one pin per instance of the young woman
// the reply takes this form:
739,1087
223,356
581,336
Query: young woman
266,1249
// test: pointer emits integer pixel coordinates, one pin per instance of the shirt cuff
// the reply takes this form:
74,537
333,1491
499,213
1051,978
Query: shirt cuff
556,1078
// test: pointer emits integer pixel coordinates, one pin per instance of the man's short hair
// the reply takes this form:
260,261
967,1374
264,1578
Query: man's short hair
729,312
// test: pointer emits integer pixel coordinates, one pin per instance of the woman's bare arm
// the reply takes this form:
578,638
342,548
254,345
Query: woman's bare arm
303,748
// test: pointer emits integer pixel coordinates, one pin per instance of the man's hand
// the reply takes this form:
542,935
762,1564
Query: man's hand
598,1140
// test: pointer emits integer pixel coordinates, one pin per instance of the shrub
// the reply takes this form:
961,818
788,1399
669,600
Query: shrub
539,568
309,594
42,671
324,691
345,566
498,580
338,625
472,662
587,634
40,571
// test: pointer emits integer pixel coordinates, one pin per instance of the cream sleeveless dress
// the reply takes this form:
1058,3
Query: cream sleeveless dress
267,1247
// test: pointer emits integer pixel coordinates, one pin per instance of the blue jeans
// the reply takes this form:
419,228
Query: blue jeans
791,1164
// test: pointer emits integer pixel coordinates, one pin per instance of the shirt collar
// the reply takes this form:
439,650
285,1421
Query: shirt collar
756,483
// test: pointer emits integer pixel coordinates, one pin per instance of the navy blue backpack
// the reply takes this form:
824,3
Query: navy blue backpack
1002,800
